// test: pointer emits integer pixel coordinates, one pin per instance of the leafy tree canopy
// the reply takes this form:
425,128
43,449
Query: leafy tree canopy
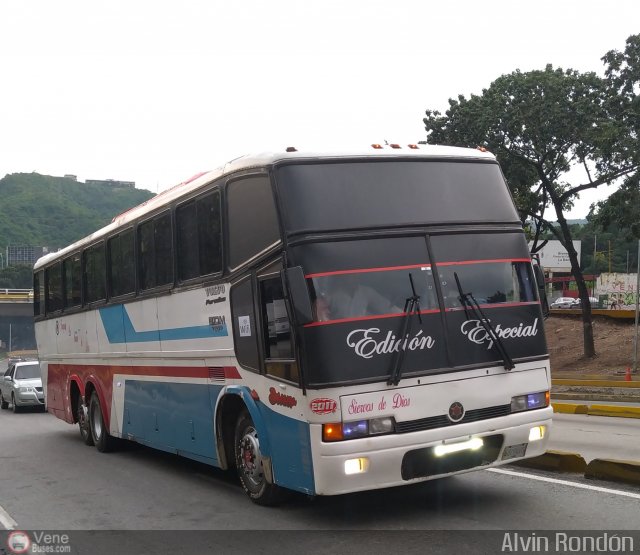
622,208
541,124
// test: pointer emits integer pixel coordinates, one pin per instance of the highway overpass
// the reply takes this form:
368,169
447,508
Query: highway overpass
16,319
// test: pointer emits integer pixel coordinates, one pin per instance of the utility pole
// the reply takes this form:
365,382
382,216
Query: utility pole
635,341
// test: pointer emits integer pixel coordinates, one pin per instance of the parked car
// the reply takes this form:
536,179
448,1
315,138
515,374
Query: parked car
570,302
565,302
21,386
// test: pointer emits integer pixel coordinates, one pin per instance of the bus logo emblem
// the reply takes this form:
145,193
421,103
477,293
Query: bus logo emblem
323,406
456,412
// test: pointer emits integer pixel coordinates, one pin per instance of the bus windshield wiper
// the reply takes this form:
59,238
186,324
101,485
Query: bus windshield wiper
411,306
469,302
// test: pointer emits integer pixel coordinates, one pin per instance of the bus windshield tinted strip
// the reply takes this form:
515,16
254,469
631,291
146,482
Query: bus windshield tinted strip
363,294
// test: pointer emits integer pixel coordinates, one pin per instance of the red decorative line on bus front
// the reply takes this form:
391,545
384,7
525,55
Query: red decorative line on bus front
401,314
491,261
494,305
361,318
416,266
367,270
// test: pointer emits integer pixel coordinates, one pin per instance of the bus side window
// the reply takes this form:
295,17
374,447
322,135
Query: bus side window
38,294
245,332
276,332
252,222
94,274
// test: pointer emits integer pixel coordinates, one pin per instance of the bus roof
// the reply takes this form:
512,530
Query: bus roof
261,160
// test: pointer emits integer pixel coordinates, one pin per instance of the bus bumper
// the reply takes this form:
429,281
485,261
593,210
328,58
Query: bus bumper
401,459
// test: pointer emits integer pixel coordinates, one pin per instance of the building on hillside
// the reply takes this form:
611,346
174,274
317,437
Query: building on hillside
112,183
24,254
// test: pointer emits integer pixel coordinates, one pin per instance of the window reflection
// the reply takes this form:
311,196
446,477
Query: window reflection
488,282
358,294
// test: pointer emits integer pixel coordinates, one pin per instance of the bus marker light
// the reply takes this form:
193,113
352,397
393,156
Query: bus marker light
332,432
254,395
413,147
536,433
356,466
445,449
376,145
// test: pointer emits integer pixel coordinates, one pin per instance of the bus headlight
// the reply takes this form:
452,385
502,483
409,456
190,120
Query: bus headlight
338,431
530,402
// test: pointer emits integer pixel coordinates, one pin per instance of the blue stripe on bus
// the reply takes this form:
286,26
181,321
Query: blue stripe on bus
119,329
178,418
174,417
290,446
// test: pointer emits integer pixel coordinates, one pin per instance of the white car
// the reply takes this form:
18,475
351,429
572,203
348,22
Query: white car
565,302
21,386
570,302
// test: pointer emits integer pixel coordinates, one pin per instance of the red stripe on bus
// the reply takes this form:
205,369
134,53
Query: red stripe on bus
230,372
491,261
414,266
494,305
400,314
367,270
362,318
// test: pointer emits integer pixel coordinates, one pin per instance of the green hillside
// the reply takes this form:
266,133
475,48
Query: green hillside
51,211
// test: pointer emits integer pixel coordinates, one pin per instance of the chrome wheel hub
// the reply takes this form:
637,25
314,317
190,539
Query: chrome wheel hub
250,458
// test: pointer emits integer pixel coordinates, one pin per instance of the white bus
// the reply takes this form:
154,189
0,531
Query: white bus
323,322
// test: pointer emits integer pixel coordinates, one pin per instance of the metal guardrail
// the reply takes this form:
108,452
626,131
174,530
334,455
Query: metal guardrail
16,294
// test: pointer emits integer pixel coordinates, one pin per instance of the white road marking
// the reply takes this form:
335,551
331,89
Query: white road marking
565,483
6,520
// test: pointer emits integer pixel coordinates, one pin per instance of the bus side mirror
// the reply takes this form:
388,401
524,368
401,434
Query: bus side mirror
542,290
296,284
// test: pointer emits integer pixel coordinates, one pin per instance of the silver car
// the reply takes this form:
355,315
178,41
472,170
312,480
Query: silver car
21,386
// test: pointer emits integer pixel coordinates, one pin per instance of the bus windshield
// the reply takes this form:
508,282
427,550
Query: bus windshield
376,292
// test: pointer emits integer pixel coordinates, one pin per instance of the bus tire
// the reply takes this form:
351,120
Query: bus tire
3,404
249,464
82,414
100,436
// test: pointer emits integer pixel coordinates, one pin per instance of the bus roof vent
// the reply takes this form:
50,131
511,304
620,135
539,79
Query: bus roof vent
292,149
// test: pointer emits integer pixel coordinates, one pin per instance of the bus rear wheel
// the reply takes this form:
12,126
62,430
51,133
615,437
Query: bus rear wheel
82,414
249,464
101,438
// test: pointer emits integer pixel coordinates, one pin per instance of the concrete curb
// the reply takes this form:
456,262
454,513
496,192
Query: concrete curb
595,383
560,461
614,470
610,470
595,397
619,411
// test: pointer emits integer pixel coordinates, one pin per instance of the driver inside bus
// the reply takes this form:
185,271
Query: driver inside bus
348,297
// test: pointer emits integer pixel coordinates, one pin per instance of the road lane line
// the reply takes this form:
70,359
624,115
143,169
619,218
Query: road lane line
564,482
6,520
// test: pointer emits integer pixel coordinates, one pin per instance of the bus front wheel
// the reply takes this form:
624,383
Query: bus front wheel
249,464
101,438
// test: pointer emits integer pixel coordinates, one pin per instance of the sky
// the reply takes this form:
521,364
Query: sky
157,91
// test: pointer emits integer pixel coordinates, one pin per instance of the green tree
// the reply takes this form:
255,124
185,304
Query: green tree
540,125
16,277
622,208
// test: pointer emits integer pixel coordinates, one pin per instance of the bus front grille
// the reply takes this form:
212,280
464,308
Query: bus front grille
442,421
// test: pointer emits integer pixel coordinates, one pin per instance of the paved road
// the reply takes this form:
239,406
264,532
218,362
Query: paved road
49,479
